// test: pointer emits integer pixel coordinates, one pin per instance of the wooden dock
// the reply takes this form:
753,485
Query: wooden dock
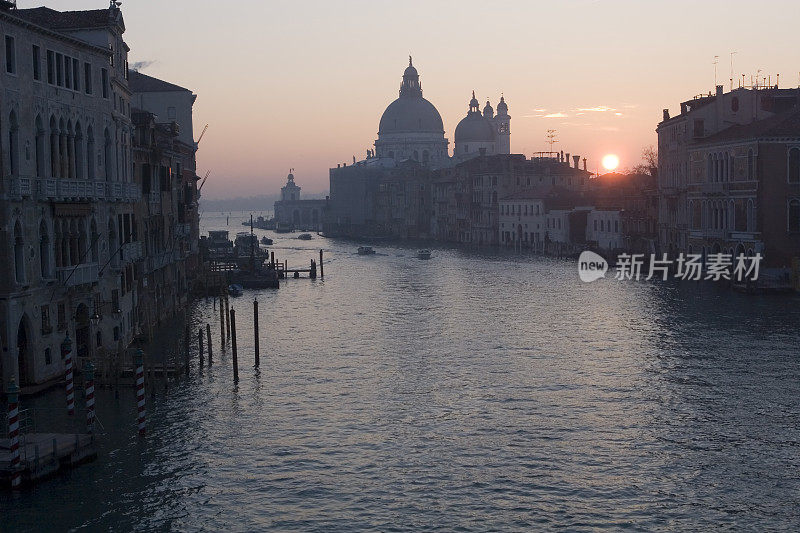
44,454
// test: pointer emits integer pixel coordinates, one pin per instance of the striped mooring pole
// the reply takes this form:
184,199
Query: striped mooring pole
66,352
88,371
138,362
13,433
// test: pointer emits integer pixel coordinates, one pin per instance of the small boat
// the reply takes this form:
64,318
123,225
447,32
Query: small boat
234,289
266,241
304,236
424,254
365,250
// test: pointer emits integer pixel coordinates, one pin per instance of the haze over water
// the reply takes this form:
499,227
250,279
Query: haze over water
476,391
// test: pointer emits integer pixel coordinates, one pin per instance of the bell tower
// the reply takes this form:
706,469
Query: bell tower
503,124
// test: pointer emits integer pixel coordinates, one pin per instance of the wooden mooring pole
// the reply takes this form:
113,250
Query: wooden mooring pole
200,345
221,323
321,268
233,346
210,350
227,317
255,331
186,347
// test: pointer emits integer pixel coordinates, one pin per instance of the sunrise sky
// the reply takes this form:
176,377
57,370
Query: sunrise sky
303,83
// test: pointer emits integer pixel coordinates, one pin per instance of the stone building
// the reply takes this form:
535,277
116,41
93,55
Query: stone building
682,167
76,230
292,212
67,214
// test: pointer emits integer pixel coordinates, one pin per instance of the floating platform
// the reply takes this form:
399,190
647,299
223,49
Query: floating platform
44,454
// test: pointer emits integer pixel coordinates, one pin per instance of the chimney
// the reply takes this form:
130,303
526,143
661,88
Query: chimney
577,160
561,157
584,163
338,165
666,115
719,90
567,160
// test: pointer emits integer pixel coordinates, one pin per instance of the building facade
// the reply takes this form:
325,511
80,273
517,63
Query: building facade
291,211
73,232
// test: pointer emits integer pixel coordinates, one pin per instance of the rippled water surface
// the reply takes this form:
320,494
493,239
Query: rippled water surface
476,391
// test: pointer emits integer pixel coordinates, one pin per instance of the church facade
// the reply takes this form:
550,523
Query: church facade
291,211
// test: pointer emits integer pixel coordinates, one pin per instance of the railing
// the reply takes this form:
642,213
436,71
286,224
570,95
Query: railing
131,251
746,235
70,190
78,275
20,187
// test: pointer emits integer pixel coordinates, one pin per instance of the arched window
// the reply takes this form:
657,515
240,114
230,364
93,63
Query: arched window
751,216
70,170
93,244
108,148
13,144
794,165
793,215
44,251
38,147
90,155
78,149
55,164
112,243
19,254
710,169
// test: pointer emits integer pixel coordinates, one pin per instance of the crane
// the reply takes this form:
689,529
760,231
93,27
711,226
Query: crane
201,134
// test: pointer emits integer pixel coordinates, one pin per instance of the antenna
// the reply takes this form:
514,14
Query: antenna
552,138
716,60
732,54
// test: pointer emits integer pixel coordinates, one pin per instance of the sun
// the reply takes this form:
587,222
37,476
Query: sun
610,162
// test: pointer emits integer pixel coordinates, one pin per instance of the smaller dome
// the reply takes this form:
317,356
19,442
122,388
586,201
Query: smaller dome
474,128
410,71
488,111
474,102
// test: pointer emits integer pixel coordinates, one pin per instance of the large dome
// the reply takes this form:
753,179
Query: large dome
474,128
411,114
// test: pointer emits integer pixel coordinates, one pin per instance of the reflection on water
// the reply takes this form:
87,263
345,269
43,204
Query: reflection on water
476,390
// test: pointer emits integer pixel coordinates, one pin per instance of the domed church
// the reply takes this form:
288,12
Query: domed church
483,134
411,128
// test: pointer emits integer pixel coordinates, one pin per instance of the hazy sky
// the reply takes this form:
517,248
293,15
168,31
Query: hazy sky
303,84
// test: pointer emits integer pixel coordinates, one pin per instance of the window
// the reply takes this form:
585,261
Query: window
46,327
794,216
59,70
794,165
48,358
104,81
11,55
616,226
735,104
51,67
751,170
62,317
171,113
36,55
87,78
76,74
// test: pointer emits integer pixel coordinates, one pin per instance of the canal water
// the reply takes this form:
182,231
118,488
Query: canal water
475,391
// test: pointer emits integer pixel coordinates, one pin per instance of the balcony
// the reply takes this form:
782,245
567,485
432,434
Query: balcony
73,276
65,190
183,230
20,187
749,236
131,252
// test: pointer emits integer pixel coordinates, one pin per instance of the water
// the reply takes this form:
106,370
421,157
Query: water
474,392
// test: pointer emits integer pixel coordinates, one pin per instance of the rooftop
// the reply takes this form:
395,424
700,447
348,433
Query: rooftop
69,20
142,83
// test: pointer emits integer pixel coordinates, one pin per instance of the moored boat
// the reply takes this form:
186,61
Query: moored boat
304,236
365,250
424,254
234,289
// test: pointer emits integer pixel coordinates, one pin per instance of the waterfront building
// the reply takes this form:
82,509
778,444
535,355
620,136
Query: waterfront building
292,211
79,239
389,192
67,207
724,173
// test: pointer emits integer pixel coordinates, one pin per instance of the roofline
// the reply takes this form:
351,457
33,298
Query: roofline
52,33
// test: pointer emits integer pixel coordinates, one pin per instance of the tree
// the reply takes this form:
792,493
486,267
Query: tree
649,163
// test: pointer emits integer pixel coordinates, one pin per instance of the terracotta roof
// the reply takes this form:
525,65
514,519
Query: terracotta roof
142,83
64,20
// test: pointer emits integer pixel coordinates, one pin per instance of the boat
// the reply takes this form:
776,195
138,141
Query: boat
234,289
365,250
283,227
266,241
244,243
424,254
304,236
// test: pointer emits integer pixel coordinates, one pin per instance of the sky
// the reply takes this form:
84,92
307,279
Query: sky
303,84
